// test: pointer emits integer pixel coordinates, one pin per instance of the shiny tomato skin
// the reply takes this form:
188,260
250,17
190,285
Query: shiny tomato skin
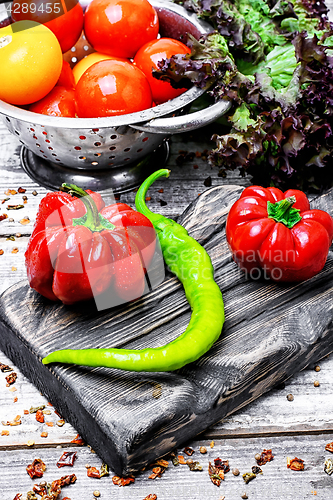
59,102
66,78
147,58
120,27
88,61
110,88
63,18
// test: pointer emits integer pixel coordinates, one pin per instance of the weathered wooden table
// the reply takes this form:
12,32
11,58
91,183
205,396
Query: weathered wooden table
297,426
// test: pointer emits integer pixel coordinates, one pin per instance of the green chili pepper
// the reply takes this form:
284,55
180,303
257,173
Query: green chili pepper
189,261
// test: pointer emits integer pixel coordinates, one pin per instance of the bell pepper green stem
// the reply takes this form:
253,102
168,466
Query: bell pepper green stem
93,220
189,261
284,212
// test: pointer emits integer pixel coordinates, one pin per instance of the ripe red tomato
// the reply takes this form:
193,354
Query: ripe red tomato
112,87
59,102
147,58
66,78
120,27
63,17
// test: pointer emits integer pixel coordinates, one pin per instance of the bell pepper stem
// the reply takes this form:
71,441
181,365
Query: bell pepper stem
284,212
92,219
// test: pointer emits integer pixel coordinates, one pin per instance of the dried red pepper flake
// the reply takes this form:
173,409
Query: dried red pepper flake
295,463
17,496
93,472
181,460
1,251
151,496
4,433
216,474
44,434
21,190
34,409
40,416
40,489
5,368
189,451
222,465
10,192
67,480
3,217
266,456
329,447
36,469
26,412
78,439
67,459
14,207
24,221
122,481
4,200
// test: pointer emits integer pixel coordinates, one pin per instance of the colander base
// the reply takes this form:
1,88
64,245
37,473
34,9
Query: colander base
119,179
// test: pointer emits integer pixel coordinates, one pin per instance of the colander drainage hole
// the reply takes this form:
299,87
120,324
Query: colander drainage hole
111,158
113,136
51,149
46,140
77,148
139,150
97,143
17,132
126,150
82,137
8,120
112,148
38,145
145,139
45,133
82,158
97,154
94,162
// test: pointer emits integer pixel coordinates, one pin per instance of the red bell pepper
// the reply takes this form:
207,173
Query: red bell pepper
80,249
276,235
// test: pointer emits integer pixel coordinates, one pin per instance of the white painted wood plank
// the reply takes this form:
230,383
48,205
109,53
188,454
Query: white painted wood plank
277,481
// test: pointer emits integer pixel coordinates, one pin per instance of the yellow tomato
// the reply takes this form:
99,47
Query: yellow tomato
88,61
30,62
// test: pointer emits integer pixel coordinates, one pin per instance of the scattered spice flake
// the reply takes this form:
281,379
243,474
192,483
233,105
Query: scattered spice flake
16,421
34,409
4,433
216,472
14,268
328,466
40,416
181,460
67,459
3,217
1,252
21,190
93,472
49,424
162,463
14,207
15,250
212,444
34,193
60,423
151,496
15,400
189,451
5,368
18,496
10,238
78,440
26,412
295,463
222,465
266,456
40,489
175,460
12,389
256,470
30,442
10,192
248,476
36,469
44,434
122,481
4,200
46,412
148,198
194,466
104,470
24,221
161,190
329,447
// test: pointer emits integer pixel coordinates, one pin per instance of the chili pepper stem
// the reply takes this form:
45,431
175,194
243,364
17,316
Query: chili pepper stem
141,196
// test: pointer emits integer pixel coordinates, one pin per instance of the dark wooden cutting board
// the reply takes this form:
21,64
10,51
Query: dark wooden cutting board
271,331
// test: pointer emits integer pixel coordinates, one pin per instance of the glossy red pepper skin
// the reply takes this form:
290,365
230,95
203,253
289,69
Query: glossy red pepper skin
73,263
262,246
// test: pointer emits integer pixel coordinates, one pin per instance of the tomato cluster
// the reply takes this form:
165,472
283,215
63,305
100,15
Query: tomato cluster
116,79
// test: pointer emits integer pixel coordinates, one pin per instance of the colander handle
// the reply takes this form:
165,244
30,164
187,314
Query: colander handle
184,123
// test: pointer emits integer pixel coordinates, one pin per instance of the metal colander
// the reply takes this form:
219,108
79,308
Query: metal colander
110,144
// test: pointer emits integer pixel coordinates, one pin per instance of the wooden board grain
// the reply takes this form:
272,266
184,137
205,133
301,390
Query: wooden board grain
271,331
